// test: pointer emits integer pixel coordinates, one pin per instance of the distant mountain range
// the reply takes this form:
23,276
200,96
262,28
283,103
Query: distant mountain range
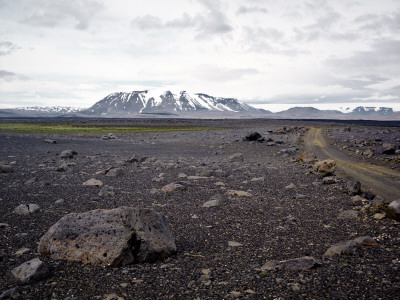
139,104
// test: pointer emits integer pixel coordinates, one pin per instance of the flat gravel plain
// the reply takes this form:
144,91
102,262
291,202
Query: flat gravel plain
289,214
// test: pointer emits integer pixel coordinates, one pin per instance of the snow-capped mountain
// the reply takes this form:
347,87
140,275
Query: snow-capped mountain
146,102
372,110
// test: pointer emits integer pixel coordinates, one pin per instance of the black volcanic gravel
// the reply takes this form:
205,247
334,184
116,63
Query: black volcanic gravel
201,234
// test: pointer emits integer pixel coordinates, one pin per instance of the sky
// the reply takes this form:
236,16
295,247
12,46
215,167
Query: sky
263,52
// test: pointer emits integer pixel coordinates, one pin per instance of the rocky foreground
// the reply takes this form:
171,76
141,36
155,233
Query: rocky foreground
192,215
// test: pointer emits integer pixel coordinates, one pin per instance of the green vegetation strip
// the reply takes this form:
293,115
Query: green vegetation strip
40,128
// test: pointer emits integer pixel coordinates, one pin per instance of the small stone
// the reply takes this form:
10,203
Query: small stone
211,203
115,172
329,180
379,216
295,264
219,183
136,159
206,271
182,175
388,148
93,182
124,284
307,157
290,186
59,201
4,225
26,209
393,210
257,179
300,196
234,244
354,187
5,168
252,136
49,141
365,241
197,177
249,291
31,270
22,251
350,248
112,296
325,168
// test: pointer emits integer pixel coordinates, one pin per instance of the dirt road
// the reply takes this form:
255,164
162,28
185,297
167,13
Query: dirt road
382,180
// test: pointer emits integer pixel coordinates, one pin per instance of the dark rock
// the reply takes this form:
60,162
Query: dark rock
354,188
350,248
113,237
369,195
32,270
136,159
106,191
115,172
253,136
26,209
348,214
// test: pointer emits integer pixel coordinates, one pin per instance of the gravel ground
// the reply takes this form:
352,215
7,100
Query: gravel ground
202,234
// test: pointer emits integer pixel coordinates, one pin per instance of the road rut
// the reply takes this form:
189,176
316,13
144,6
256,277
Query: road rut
384,181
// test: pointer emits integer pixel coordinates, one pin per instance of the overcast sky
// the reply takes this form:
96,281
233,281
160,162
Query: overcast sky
75,52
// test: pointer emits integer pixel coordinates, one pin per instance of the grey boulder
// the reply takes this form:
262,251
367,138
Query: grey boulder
31,270
393,209
68,154
115,237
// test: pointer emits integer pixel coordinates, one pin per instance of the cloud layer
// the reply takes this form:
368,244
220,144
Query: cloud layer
310,51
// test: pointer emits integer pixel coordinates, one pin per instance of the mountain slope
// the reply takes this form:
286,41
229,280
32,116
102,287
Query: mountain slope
145,102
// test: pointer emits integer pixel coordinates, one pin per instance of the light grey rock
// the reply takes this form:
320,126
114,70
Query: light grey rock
295,264
211,203
59,201
235,193
92,182
197,177
350,248
31,270
290,186
109,136
329,180
234,244
26,209
300,196
136,159
106,191
68,154
393,210
388,148
115,172
257,179
348,214
236,157
113,237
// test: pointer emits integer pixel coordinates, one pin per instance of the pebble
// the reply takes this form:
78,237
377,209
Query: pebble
234,244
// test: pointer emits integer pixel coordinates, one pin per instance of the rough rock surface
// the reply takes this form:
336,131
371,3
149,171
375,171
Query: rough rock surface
31,270
394,209
113,237
326,167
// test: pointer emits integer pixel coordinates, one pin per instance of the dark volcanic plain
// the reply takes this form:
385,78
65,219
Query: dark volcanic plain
258,222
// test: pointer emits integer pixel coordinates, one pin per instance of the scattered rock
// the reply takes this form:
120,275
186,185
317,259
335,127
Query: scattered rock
69,154
234,193
351,248
290,186
5,168
325,168
369,152
59,202
136,159
182,175
49,141
354,188
388,148
234,244
32,270
22,251
377,205
348,214
369,195
329,180
393,210
300,196
130,235
257,179
289,219
215,201
109,136
26,209
115,172
4,225
296,264
106,191
253,136
379,216
172,187
92,182
365,241
236,157
197,177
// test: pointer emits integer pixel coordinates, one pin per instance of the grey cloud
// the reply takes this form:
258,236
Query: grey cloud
222,74
247,10
384,55
184,22
379,24
7,48
51,13
11,76
147,22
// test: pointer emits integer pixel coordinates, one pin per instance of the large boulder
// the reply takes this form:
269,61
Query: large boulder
325,167
113,237
252,136
394,209
388,148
